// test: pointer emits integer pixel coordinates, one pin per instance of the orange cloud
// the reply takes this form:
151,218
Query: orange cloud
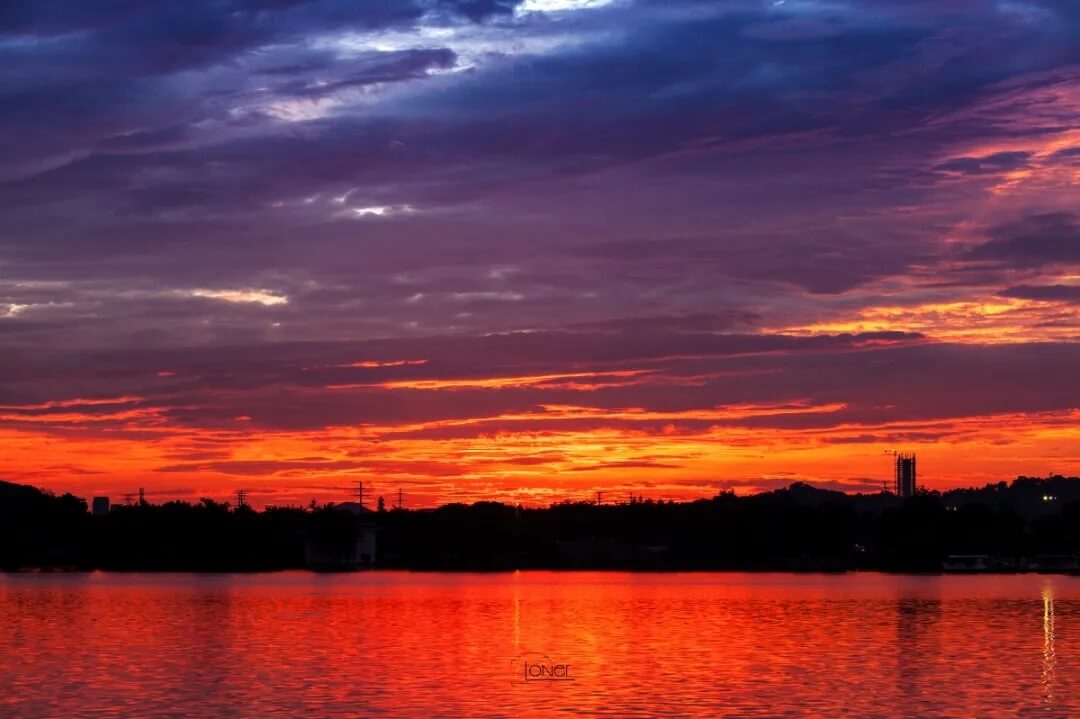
369,364
541,465
75,402
982,320
490,382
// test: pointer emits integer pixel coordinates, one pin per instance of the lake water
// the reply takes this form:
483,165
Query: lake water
462,645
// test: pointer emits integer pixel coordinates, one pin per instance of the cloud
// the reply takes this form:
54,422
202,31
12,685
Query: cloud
579,379
1033,241
575,228
991,164
1051,293
260,297
260,468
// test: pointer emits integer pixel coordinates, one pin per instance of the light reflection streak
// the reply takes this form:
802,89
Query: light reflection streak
1049,651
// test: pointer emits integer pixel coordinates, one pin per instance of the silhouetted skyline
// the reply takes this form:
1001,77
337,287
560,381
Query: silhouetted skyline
1029,524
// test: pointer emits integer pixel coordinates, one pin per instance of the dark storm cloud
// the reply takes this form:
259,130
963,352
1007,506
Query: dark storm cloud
1033,241
992,164
73,72
712,322
212,21
1052,293
317,364
819,261
694,76
289,387
375,68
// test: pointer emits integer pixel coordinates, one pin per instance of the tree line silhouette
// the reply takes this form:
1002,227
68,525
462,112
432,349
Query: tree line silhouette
796,528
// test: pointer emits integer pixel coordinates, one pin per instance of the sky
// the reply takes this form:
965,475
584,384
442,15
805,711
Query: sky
529,250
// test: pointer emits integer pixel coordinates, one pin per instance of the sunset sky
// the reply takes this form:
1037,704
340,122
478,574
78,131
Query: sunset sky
526,250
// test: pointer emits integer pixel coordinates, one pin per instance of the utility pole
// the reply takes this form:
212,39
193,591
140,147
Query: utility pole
241,498
400,499
142,497
360,491
599,497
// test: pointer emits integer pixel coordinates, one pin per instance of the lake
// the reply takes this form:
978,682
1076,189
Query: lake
538,644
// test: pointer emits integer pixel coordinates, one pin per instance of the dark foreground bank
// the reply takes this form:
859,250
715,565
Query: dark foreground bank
1030,524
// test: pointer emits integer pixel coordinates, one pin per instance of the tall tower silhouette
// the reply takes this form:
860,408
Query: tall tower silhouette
905,474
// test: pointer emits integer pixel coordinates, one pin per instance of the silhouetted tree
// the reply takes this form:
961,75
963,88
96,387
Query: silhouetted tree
795,528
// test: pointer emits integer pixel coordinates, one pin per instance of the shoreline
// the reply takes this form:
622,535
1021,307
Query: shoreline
28,571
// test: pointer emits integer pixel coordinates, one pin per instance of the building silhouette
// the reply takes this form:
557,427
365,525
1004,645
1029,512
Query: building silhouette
344,539
905,474
100,506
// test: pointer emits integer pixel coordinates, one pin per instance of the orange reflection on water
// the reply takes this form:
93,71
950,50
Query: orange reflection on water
400,644
1049,641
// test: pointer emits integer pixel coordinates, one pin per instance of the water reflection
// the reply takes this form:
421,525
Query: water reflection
432,645
1049,652
916,617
